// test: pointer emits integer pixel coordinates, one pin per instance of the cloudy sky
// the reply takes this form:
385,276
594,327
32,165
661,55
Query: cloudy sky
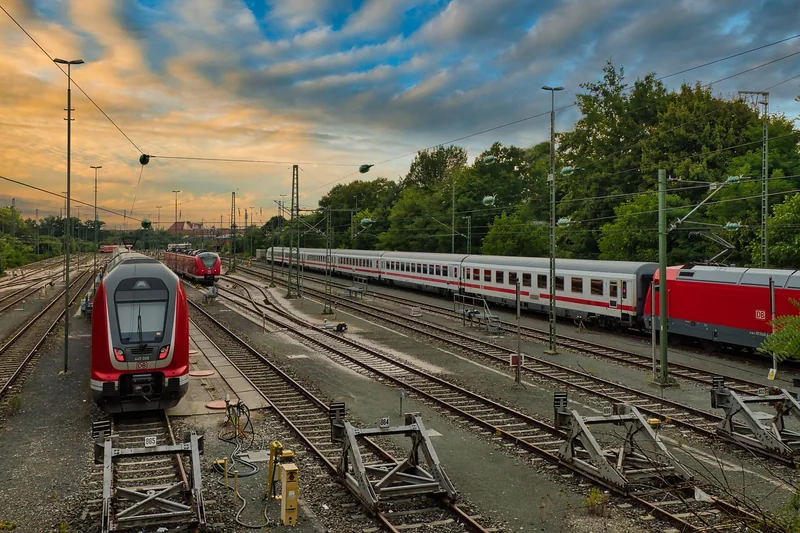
330,84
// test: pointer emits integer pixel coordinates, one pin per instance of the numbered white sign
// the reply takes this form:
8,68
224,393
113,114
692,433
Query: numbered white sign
384,423
150,442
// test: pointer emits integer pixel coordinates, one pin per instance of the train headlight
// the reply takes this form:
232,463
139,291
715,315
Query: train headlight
119,354
164,352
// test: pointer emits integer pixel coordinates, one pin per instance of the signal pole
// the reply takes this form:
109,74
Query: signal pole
294,237
764,176
158,224
176,227
67,240
662,274
94,253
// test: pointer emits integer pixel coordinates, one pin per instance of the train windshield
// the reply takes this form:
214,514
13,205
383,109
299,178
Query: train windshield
141,306
209,260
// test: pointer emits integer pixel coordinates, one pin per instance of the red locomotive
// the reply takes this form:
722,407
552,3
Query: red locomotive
725,305
140,336
198,265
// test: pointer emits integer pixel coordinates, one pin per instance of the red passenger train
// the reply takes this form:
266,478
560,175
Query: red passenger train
725,305
198,265
140,336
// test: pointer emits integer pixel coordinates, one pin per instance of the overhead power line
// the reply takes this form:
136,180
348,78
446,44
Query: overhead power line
567,106
73,79
262,161
35,188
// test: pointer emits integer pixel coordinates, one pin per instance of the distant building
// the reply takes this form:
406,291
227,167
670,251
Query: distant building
185,227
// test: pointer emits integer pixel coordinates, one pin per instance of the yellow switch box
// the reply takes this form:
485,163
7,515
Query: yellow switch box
290,491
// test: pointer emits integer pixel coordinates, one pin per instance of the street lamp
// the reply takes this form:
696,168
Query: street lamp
94,253
176,226
67,241
551,178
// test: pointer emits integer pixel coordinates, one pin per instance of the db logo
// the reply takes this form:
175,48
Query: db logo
761,315
141,366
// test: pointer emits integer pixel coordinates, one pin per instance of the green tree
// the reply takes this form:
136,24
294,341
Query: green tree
784,235
606,146
784,343
633,233
513,235
433,166
416,224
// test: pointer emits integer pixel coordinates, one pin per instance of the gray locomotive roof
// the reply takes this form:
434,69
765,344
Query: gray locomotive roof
422,256
617,267
740,275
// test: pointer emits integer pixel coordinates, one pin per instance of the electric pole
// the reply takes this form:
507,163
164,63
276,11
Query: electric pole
764,175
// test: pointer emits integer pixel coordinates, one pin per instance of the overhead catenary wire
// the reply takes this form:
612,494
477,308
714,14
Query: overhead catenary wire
567,106
72,78
99,208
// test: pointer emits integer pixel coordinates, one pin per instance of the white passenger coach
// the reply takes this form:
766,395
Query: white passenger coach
608,292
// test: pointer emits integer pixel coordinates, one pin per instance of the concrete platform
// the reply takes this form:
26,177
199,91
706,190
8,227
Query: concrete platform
206,389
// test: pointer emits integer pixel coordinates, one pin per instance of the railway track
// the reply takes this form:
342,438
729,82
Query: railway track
309,418
114,499
18,351
680,370
675,504
697,420
688,418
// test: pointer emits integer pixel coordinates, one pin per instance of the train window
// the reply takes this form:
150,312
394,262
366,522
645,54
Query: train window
597,287
424,269
430,270
577,285
141,309
498,276
526,280
624,289
612,289
444,271
487,275
541,281
559,283
512,278
476,274
467,273
438,270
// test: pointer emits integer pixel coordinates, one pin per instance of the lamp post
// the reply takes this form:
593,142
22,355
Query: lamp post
94,253
551,177
176,226
67,241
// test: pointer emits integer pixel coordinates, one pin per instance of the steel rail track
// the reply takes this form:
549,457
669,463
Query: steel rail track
698,420
17,296
309,417
17,352
137,472
521,429
702,422
680,370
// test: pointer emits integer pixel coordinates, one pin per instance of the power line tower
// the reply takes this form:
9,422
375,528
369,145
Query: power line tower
293,290
328,308
762,98
233,233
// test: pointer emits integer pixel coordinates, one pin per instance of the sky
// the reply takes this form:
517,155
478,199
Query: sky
329,85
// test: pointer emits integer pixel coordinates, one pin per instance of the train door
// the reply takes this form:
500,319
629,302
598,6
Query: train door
613,293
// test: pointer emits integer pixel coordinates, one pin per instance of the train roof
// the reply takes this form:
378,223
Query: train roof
740,275
613,267
424,256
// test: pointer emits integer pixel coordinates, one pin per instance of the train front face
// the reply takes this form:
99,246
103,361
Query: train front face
140,339
207,267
